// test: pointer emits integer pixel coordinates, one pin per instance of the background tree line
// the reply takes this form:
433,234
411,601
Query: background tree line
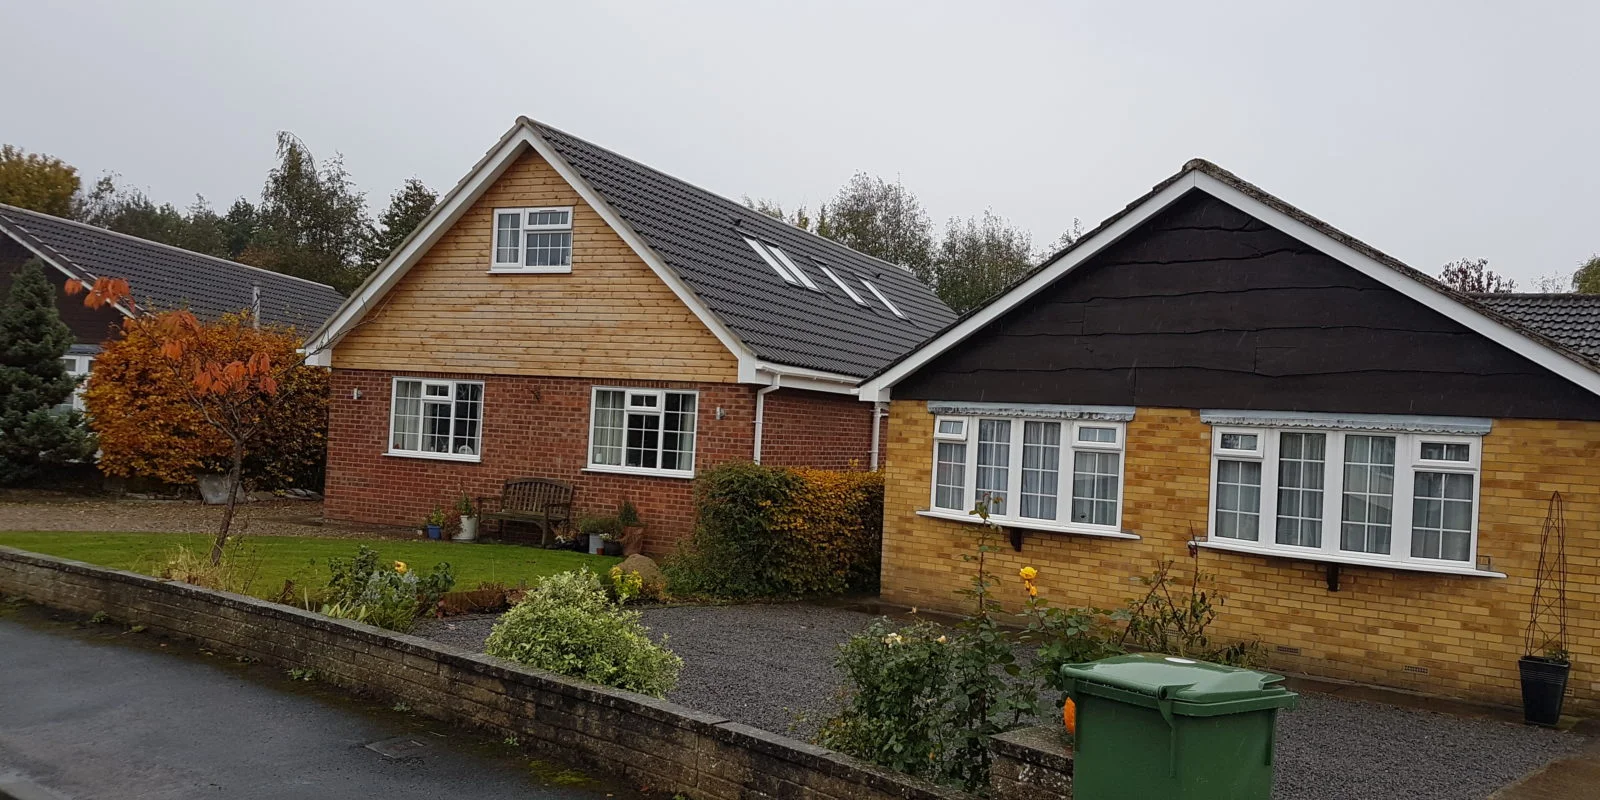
310,221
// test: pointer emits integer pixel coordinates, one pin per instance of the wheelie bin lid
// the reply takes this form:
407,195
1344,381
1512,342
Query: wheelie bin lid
1183,685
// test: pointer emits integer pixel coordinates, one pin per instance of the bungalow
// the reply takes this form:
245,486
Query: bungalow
569,313
1362,457
160,276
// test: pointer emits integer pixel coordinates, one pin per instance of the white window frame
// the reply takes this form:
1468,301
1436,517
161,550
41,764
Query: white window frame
394,402
1065,467
1408,463
660,395
766,255
794,268
517,265
844,287
882,298
82,363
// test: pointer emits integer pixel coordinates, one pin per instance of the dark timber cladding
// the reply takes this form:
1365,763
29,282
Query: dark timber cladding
1204,306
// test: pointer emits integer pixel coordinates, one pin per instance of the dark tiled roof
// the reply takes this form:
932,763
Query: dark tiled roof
166,277
700,235
1571,319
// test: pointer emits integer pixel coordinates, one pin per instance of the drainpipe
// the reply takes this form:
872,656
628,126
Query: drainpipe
761,411
878,412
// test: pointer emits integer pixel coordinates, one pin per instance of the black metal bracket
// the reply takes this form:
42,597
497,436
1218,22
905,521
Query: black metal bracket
1016,538
1333,576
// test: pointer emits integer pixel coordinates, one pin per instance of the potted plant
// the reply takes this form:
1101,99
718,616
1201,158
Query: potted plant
632,542
435,524
1544,676
469,520
597,531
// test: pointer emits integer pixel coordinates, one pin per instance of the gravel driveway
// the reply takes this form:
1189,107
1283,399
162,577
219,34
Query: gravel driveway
44,511
771,666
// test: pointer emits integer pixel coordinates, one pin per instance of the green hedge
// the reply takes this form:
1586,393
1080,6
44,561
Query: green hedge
781,532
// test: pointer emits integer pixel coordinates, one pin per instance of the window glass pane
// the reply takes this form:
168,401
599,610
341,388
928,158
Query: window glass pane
1367,509
677,438
1041,468
1239,441
607,436
1106,435
548,250
1094,487
1301,461
468,416
950,475
1441,516
407,416
994,462
435,426
1239,500
1446,451
507,238
953,427
643,440
536,218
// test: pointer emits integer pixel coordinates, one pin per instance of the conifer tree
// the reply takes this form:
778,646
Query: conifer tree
33,381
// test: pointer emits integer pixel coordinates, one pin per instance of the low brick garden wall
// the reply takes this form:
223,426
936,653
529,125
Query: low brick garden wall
669,748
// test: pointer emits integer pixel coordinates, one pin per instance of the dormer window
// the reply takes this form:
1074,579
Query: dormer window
532,240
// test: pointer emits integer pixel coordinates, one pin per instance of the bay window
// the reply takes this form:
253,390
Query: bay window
650,431
1049,473
436,418
1387,496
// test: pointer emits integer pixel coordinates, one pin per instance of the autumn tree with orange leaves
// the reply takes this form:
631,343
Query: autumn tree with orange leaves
174,395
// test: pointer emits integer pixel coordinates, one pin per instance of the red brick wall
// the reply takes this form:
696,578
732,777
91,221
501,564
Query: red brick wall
533,427
539,427
817,429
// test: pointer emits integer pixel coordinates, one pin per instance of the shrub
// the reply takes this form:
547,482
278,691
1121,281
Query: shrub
777,532
363,589
569,625
235,572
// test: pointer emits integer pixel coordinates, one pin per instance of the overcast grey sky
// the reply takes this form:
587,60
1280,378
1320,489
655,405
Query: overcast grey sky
1433,131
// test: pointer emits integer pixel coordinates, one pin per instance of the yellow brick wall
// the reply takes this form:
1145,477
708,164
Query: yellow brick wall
611,317
1466,632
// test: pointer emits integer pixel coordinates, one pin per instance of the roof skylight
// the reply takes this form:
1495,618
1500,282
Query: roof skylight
771,262
798,272
881,298
841,284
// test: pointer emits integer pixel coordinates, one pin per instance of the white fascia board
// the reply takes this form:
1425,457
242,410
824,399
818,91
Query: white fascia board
86,279
1510,338
878,389
761,372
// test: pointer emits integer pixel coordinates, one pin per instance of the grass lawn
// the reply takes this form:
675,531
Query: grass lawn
305,559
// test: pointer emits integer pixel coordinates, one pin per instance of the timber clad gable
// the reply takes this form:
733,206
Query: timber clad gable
611,317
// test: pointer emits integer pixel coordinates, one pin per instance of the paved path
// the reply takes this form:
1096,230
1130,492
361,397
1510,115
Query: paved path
99,713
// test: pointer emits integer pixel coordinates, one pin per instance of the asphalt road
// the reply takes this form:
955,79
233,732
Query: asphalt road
93,711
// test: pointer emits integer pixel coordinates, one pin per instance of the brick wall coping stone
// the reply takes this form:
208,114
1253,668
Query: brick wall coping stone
655,742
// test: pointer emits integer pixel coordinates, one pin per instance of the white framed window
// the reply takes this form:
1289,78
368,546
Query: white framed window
1384,497
882,298
772,261
643,431
532,239
1047,474
844,287
77,366
432,418
793,268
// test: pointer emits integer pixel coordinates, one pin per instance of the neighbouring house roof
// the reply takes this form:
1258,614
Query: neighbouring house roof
701,236
1556,346
694,240
1573,320
163,277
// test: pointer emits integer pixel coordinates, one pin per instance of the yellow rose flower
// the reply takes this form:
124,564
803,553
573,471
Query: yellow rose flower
400,567
1033,591
1028,573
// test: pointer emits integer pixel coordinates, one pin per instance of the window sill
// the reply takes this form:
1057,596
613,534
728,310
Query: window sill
1355,561
640,472
434,456
530,270
1047,527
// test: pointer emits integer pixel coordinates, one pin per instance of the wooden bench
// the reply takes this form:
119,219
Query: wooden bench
541,502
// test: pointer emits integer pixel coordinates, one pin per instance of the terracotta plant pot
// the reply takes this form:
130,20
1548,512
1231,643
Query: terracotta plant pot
633,540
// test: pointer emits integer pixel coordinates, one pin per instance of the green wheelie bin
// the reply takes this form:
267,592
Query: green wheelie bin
1153,726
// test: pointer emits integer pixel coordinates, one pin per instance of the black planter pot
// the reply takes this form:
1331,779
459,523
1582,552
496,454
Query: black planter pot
613,548
1544,687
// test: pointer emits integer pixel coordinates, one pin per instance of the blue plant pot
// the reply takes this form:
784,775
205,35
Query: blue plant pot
435,531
